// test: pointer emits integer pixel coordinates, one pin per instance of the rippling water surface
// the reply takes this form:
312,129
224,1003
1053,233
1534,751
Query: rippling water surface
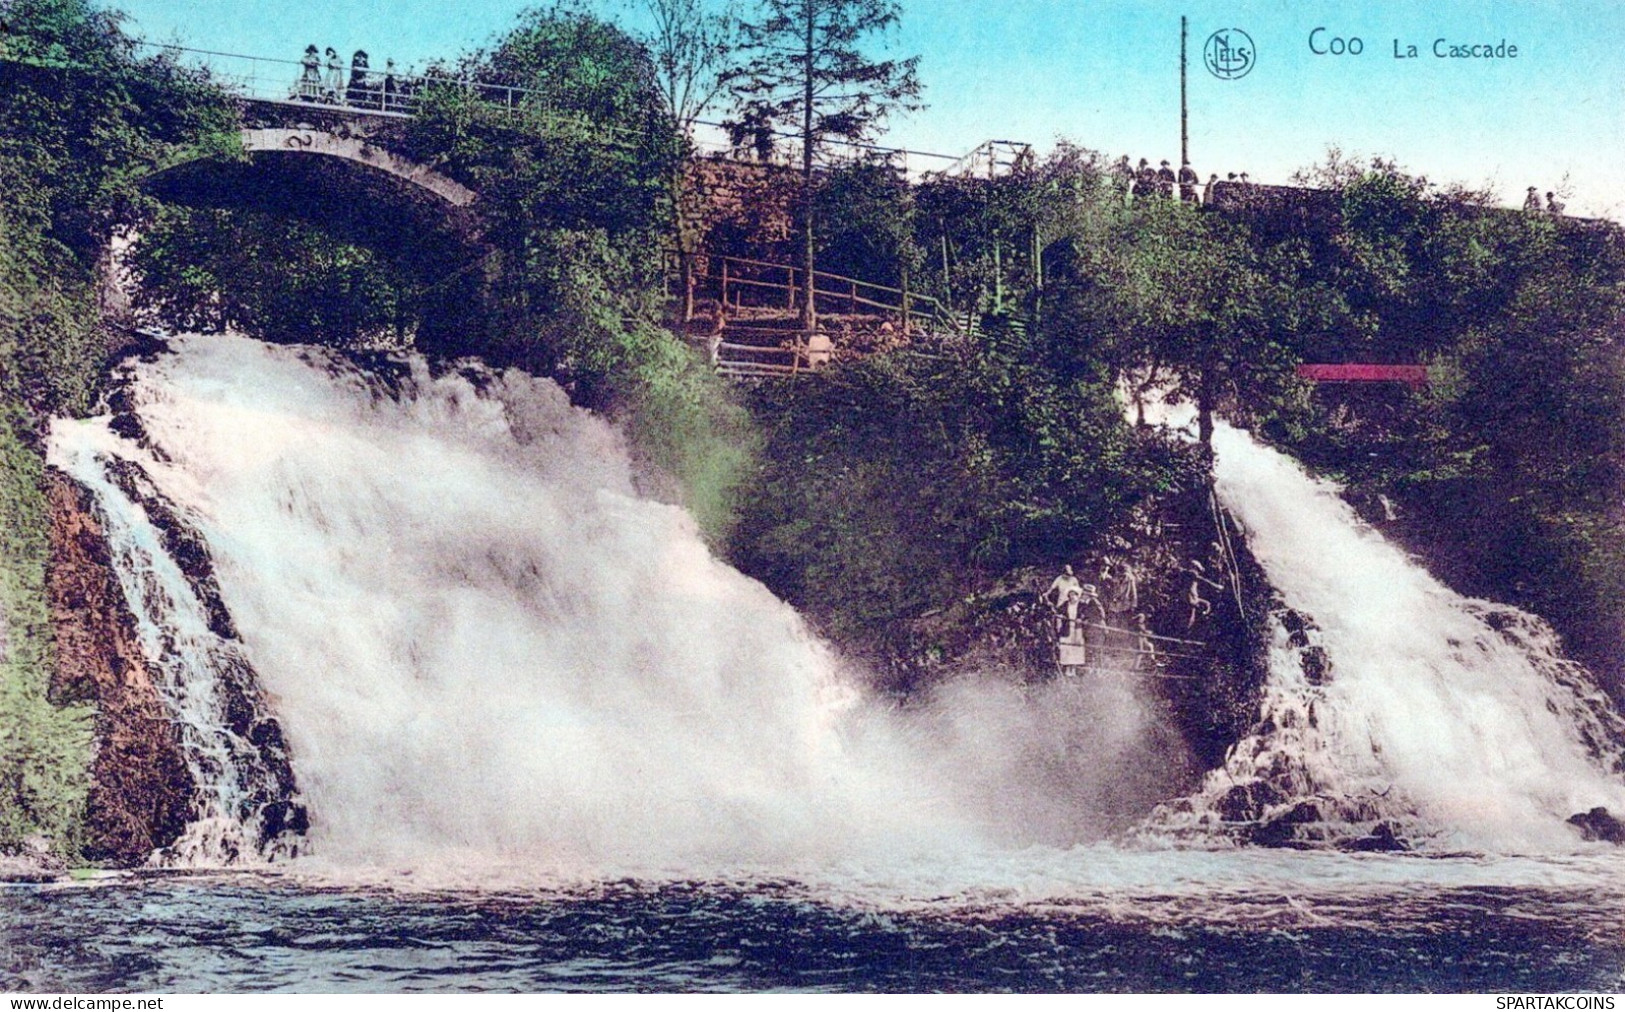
1375,924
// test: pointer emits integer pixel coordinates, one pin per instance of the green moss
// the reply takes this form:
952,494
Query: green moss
45,750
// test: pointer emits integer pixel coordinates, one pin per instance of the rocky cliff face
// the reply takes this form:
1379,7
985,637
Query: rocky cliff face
139,798
1208,662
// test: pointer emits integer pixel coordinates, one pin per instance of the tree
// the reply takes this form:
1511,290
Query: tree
864,213
692,45
806,62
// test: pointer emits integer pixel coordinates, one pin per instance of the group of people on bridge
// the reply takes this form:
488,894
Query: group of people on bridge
1076,607
1532,204
1120,627
323,80
1164,182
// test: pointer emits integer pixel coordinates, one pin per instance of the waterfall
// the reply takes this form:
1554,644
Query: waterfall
1396,711
425,605
480,640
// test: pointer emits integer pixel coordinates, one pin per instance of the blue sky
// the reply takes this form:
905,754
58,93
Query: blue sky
1105,74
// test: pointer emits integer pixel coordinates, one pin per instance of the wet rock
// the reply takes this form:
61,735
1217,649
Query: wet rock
1381,839
1599,824
33,862
1283,830
1297,627
1315,664
141,789
1247,802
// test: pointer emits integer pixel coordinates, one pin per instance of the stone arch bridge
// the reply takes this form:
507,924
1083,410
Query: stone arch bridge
357,148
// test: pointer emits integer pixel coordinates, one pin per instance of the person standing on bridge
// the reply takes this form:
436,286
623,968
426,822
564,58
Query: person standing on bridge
360,92
309,88
1070,651
1165,181
333,84
1145,179
1187,183
1060,587
1123,176
390,87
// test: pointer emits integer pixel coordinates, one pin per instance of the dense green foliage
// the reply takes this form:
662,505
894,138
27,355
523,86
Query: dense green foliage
906,481
83,118
292,282
863,218
44,750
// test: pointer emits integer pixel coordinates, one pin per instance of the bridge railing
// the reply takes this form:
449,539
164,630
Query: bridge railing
372,91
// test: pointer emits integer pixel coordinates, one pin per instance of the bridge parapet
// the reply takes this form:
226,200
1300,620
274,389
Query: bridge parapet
356,149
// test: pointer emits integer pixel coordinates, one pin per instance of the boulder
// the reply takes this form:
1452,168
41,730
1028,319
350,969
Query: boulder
1598,824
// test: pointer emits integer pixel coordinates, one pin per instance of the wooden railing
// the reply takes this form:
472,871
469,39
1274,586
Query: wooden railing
740,282
745,361
794,357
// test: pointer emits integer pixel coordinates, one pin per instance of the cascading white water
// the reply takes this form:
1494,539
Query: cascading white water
480,640
244,805
1454,720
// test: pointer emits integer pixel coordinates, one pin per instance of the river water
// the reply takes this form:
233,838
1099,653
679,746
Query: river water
546,741
1096,919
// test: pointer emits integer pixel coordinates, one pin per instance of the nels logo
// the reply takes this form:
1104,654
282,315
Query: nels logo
1229,54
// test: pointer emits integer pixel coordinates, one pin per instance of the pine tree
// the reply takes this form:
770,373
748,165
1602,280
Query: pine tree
806,64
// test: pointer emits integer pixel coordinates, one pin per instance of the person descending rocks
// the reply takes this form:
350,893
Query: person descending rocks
1146,645
1071,653
1199,604
1125,584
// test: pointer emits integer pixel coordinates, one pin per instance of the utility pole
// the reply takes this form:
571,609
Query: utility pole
1184,115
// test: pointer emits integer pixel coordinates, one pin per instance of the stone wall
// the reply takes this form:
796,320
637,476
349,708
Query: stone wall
744,209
